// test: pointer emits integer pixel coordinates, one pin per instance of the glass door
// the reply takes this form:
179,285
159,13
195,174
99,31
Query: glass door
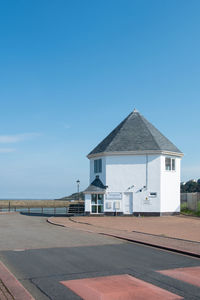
97,204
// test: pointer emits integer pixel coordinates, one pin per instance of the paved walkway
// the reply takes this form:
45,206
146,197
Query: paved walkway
10,287
178,233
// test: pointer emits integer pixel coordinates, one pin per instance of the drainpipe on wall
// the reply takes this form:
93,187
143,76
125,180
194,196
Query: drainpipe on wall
147,171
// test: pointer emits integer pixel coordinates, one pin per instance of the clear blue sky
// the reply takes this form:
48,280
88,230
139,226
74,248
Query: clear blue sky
70,71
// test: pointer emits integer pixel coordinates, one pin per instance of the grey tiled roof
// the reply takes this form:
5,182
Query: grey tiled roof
96,186
135,133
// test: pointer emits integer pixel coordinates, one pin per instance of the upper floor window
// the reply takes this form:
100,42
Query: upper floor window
170,164
97,165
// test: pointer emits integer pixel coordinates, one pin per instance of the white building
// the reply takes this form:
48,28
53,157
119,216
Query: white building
134,170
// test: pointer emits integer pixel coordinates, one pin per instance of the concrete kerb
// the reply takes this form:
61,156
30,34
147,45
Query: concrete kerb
61,225
54,223
153,245
14,288
85,223
121,237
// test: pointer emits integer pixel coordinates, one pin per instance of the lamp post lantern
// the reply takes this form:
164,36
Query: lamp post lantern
78,184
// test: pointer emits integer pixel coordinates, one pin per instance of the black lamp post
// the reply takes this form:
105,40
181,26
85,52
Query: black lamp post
78,184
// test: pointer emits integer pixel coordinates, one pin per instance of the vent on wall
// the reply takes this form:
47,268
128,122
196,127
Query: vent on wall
153,194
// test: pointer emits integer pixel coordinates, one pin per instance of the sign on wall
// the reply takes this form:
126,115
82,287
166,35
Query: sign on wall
109,205
114,196
147,201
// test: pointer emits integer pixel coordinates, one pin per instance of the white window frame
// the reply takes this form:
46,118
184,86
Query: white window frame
97,204
172,159
98,166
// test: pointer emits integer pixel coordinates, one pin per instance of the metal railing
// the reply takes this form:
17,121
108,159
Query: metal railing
71,209
76,209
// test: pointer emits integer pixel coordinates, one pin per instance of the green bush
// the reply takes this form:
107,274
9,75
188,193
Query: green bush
190,212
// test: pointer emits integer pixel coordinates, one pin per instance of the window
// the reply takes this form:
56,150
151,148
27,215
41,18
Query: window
97,165
170,164
173,164
97,203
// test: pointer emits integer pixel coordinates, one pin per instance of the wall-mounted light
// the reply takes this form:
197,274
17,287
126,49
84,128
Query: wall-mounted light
130,187
143,188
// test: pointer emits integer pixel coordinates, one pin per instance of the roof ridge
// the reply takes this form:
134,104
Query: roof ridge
141,117
134,133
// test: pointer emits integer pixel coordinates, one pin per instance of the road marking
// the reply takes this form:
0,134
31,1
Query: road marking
117,287
189,275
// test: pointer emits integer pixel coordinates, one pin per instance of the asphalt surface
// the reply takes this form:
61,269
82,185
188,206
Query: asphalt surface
30,232
41,255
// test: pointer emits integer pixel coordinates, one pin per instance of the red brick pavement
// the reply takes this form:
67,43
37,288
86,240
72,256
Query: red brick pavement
10,287
111,226
182,227
4,292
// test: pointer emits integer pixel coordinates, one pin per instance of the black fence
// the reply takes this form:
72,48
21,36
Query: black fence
71,209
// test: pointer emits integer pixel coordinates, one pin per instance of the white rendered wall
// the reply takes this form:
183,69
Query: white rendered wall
102,175
125,171
170,187
87,203
121,172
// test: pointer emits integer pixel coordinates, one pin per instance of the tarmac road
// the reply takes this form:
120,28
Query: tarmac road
41,255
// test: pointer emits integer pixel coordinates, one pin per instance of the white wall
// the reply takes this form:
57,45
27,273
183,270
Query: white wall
125,171
170,187
121,172
87,203
102,175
